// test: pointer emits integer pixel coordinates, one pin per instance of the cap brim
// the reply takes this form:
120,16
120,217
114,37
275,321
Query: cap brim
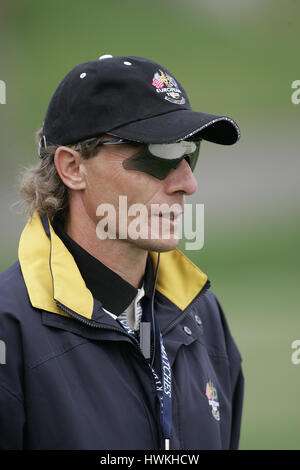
179,125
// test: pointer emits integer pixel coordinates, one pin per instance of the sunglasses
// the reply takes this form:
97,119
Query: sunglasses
159,159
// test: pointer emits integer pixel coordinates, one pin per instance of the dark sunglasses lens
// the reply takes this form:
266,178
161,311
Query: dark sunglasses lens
193,158
155,166
147,163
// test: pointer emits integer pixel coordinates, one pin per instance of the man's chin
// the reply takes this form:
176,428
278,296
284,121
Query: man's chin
160,245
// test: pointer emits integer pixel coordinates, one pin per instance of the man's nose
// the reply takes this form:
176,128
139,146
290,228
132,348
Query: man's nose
181,179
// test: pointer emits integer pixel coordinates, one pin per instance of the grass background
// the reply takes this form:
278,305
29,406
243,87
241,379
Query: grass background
234,58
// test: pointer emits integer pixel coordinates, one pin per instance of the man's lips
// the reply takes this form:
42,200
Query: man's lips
169,215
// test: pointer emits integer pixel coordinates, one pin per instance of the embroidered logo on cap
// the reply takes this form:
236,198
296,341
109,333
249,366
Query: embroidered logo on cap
164,83
212,396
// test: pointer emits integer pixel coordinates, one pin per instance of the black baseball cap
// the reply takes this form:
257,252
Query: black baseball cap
132,98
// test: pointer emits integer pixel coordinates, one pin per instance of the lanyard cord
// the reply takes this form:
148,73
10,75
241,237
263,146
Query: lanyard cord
164,386
152,311
163,383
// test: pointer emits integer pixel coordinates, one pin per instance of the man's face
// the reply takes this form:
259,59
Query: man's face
153,225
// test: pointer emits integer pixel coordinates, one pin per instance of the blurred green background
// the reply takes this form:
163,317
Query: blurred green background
233,57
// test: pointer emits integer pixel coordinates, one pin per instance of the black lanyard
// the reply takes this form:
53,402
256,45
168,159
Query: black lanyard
164,381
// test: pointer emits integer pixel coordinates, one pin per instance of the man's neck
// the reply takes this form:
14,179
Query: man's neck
122,257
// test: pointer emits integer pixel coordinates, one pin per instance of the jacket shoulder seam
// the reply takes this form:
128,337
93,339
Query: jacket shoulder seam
53,355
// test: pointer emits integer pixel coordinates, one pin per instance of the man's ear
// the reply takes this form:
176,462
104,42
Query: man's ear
68,165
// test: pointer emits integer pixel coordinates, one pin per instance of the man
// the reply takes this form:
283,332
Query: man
113,338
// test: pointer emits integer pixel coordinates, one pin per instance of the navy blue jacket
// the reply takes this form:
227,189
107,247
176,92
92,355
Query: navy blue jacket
72,378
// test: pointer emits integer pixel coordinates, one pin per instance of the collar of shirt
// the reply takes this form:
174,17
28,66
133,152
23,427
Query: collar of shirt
102,281
132,315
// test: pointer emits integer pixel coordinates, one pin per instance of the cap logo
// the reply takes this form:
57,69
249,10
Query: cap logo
212,396
166,84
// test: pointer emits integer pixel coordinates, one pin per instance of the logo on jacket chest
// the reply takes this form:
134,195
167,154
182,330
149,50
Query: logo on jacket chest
213,401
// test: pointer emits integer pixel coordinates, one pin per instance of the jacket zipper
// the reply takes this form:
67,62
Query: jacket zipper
94,325
134,342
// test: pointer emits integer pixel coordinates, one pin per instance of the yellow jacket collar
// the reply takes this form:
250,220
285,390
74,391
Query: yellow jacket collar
51,274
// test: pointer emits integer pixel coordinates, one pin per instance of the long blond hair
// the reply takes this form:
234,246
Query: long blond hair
41,187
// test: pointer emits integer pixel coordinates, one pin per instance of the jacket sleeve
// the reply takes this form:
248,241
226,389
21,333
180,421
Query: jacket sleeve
11,421
237,404
237,381
12,414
